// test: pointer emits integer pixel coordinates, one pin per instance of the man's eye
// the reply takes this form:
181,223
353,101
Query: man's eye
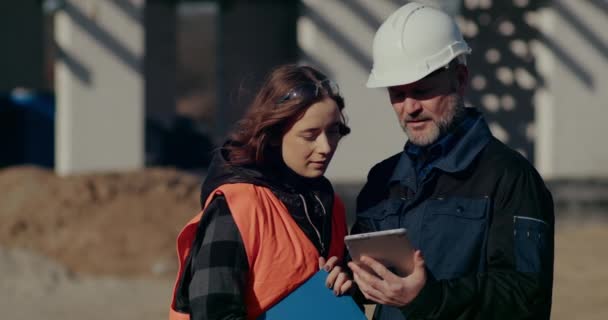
422,92
397,95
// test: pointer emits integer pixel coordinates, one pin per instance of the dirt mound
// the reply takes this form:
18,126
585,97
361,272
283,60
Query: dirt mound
114,224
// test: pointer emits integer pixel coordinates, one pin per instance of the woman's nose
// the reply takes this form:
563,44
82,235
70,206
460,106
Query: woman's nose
323,144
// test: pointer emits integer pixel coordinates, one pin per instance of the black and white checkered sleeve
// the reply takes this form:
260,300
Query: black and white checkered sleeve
220,268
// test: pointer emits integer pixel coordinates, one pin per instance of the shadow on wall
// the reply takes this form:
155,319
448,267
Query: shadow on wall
103,37
503,77
320,20
108,41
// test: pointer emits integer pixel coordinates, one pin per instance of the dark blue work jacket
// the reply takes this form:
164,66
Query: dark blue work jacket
483,220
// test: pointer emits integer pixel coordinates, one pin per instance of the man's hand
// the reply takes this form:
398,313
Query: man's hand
337,279
380,285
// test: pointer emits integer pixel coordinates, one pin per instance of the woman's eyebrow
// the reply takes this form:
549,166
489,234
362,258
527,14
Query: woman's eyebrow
313,129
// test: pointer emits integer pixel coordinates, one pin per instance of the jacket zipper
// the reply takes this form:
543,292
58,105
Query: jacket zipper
310,221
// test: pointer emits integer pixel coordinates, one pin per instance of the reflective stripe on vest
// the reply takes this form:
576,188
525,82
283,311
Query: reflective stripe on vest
280,255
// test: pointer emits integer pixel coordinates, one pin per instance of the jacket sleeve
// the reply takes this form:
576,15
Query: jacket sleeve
518,280
219,266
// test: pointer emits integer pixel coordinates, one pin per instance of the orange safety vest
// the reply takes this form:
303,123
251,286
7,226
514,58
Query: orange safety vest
280,255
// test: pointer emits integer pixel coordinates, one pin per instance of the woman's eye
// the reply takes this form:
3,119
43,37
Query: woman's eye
309,137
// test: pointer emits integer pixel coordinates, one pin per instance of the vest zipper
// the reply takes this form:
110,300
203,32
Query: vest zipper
310,221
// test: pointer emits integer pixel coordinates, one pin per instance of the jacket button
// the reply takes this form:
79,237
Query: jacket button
459,209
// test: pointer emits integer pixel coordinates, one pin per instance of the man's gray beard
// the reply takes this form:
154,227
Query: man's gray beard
445,124
452,120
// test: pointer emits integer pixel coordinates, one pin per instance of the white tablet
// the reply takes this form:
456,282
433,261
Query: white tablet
392,248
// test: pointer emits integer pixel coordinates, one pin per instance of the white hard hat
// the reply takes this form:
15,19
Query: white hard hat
412,43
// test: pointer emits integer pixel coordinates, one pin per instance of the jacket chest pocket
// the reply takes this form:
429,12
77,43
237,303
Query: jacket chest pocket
385,215
453,233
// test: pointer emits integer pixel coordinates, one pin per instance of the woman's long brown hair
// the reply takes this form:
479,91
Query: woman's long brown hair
266,120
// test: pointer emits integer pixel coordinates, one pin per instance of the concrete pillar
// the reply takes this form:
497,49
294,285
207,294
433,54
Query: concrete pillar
99,86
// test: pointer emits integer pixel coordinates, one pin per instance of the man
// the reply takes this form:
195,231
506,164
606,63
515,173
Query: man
476,210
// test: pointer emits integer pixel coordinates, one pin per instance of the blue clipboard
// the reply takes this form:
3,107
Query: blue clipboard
313,300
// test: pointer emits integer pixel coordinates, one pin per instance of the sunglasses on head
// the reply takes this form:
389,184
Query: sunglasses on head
311,90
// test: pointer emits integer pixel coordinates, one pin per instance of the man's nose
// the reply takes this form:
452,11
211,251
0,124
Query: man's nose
411,106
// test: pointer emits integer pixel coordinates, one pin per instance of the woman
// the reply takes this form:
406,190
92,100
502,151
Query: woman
270,219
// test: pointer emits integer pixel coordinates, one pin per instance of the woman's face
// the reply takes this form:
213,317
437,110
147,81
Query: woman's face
308,146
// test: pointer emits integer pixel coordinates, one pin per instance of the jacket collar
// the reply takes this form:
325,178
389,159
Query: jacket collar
276,176
457,159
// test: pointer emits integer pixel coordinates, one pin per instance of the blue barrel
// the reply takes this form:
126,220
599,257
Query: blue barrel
27,128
